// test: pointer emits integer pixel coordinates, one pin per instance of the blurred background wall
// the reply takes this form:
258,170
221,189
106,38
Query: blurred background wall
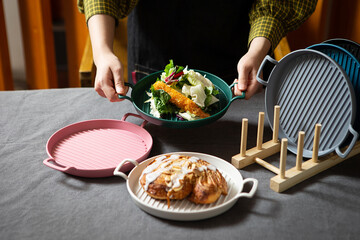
45,40
13,29
60,28
331,19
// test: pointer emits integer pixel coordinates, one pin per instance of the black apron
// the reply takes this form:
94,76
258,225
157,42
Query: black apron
206,35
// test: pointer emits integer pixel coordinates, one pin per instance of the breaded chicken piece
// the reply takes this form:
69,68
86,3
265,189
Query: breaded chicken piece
180,100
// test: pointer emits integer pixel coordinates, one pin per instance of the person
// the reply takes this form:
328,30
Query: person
227,38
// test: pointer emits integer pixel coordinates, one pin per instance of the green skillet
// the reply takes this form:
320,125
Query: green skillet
139,96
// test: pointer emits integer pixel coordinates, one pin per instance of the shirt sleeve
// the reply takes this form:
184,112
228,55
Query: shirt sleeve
118,9
274,19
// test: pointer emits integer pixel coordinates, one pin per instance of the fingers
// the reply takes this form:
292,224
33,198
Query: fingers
120,88
253,89
243,79
243,76
105,88
252,86
109,81
99,90
237,91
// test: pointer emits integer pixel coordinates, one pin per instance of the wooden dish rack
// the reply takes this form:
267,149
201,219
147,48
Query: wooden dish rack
285,179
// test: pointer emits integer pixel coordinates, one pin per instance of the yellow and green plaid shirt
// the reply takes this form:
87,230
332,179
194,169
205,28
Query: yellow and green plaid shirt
272,19
115,8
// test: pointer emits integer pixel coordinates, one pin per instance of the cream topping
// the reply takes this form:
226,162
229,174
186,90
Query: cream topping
180,169
194,159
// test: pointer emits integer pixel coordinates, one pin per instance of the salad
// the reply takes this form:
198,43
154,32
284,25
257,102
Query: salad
183,93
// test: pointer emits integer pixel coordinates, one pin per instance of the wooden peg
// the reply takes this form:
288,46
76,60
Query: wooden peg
267,165
283,155
309,169
260,132
243,143
316,143
300,150
276,123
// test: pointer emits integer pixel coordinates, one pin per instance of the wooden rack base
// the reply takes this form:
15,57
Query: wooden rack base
285,179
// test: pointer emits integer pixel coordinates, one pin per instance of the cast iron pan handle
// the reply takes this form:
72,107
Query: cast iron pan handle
236,97
267,58
351,146
126,97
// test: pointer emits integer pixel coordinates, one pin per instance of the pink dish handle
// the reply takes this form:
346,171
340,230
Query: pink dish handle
48,162
134,115
133,74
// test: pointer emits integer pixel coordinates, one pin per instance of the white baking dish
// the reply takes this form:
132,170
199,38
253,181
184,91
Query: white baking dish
184,210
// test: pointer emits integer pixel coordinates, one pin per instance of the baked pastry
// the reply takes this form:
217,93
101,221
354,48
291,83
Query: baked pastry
209,184
177,177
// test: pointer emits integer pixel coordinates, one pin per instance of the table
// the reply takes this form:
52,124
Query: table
37,202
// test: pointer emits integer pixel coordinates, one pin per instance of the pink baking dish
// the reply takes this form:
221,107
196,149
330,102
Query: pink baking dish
94,148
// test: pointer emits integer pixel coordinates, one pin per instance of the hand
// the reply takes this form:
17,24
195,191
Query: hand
248,67
247,70
109,80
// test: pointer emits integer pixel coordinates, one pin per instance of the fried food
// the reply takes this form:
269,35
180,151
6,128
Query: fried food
177,177
180,100
208,187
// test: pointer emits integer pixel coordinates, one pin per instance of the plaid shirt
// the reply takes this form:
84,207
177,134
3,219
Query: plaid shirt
115,8
271,19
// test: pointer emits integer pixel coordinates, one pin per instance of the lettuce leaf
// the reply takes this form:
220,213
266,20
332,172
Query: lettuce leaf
161,101
168,68
196,78
195,93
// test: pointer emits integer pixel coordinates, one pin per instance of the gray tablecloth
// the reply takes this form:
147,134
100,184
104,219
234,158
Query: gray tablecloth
37,202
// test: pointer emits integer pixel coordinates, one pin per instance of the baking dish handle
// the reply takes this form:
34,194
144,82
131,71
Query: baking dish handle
117,169
351,146
48,162
251,193
126,97
236,97
267,58
134,115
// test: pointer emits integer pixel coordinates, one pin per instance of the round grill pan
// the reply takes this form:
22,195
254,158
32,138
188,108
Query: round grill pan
350,46
311,88
351,66
94,148
184,210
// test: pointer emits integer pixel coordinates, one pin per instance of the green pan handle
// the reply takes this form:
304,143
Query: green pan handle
126,97
242,96
351,146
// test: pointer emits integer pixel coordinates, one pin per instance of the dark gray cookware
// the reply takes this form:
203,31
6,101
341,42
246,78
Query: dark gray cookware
351,66
351,46
311,88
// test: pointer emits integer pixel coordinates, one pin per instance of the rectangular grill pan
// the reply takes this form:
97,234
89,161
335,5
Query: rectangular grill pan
311,88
